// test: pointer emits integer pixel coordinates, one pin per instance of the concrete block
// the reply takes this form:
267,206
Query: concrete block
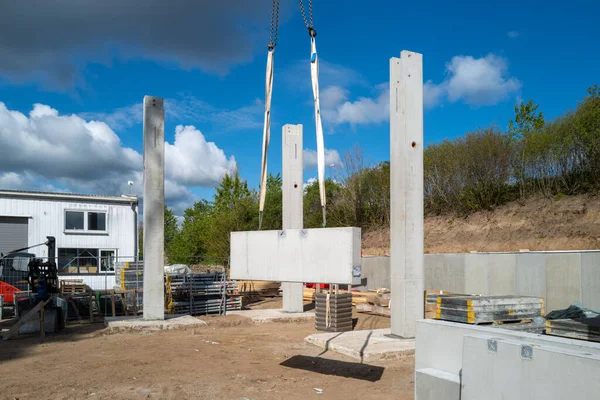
498,369
407,304
328,255
531,274
154,204
590,280
364,345
274,315
406,189
439,344
135,323
431,384
292,200
563,280
477,274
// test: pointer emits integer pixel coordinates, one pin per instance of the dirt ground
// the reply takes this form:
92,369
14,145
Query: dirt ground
569,223
230,358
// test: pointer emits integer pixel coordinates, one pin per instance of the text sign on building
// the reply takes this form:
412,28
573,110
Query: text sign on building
327,255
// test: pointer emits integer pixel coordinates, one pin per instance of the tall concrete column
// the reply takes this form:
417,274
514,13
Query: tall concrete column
292,176
154,207
406,174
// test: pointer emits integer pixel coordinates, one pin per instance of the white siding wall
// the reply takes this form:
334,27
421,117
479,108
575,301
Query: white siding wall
47,218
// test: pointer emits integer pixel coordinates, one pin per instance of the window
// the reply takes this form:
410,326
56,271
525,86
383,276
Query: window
78,261
96,221
85,221
74,220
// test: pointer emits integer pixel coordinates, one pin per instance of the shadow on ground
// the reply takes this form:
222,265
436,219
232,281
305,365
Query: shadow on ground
18,346
344,369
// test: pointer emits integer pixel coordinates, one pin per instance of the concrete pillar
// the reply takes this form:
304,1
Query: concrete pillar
406,173
154,207
292,176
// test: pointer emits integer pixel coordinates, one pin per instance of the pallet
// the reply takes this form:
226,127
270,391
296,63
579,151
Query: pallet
73,286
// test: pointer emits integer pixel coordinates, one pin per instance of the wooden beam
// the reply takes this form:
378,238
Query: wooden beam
14,330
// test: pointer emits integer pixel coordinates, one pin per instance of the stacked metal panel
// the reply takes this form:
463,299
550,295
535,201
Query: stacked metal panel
487,309
199,294
333,312
581,328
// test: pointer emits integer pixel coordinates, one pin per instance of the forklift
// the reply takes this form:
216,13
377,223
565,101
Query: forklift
21,271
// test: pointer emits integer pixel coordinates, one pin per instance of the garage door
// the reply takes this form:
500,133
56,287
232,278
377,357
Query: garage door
13,233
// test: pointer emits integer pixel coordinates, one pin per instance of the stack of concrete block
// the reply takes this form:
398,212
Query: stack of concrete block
333,312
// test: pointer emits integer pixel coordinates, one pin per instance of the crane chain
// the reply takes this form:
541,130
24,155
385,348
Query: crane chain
274,30
308,21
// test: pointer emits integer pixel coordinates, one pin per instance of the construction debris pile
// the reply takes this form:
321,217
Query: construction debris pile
199,294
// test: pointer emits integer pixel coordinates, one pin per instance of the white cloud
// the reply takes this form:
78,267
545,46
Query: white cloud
193,161
480,81
432,94
309,158
513,34
474,81
49,151
362,111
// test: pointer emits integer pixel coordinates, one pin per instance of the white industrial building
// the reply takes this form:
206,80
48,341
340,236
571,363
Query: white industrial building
92,232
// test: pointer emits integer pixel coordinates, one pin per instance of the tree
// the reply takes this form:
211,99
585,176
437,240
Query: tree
522,131
171,231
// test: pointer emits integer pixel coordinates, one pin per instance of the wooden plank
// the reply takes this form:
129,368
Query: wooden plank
34,312
112,300
373,309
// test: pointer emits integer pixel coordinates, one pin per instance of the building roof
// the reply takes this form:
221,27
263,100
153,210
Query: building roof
126,199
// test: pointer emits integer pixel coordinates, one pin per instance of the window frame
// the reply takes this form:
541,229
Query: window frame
86,230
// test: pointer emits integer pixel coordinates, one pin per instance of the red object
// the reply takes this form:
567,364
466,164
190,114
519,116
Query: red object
7,291
313,285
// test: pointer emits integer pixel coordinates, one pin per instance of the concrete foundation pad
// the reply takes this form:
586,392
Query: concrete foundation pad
274,315
137,323
364,345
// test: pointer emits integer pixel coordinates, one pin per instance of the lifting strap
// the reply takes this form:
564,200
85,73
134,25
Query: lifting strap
314,75
268,94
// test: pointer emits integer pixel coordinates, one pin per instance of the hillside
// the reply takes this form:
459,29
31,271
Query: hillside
571,223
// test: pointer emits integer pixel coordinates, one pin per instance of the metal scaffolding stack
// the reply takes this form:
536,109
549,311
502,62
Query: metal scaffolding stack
198,294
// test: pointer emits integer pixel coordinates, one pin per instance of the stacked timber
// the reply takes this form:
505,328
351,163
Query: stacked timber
357,297
582,328
200,294
377,303
333,312
258,288
488,309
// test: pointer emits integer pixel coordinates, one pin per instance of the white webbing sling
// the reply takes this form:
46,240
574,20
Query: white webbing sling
314,76
266,136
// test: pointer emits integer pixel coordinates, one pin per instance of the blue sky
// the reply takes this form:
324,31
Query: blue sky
91,63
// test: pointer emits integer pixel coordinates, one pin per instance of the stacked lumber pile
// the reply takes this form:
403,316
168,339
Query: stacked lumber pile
258,288
377,303
581,328
357,297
